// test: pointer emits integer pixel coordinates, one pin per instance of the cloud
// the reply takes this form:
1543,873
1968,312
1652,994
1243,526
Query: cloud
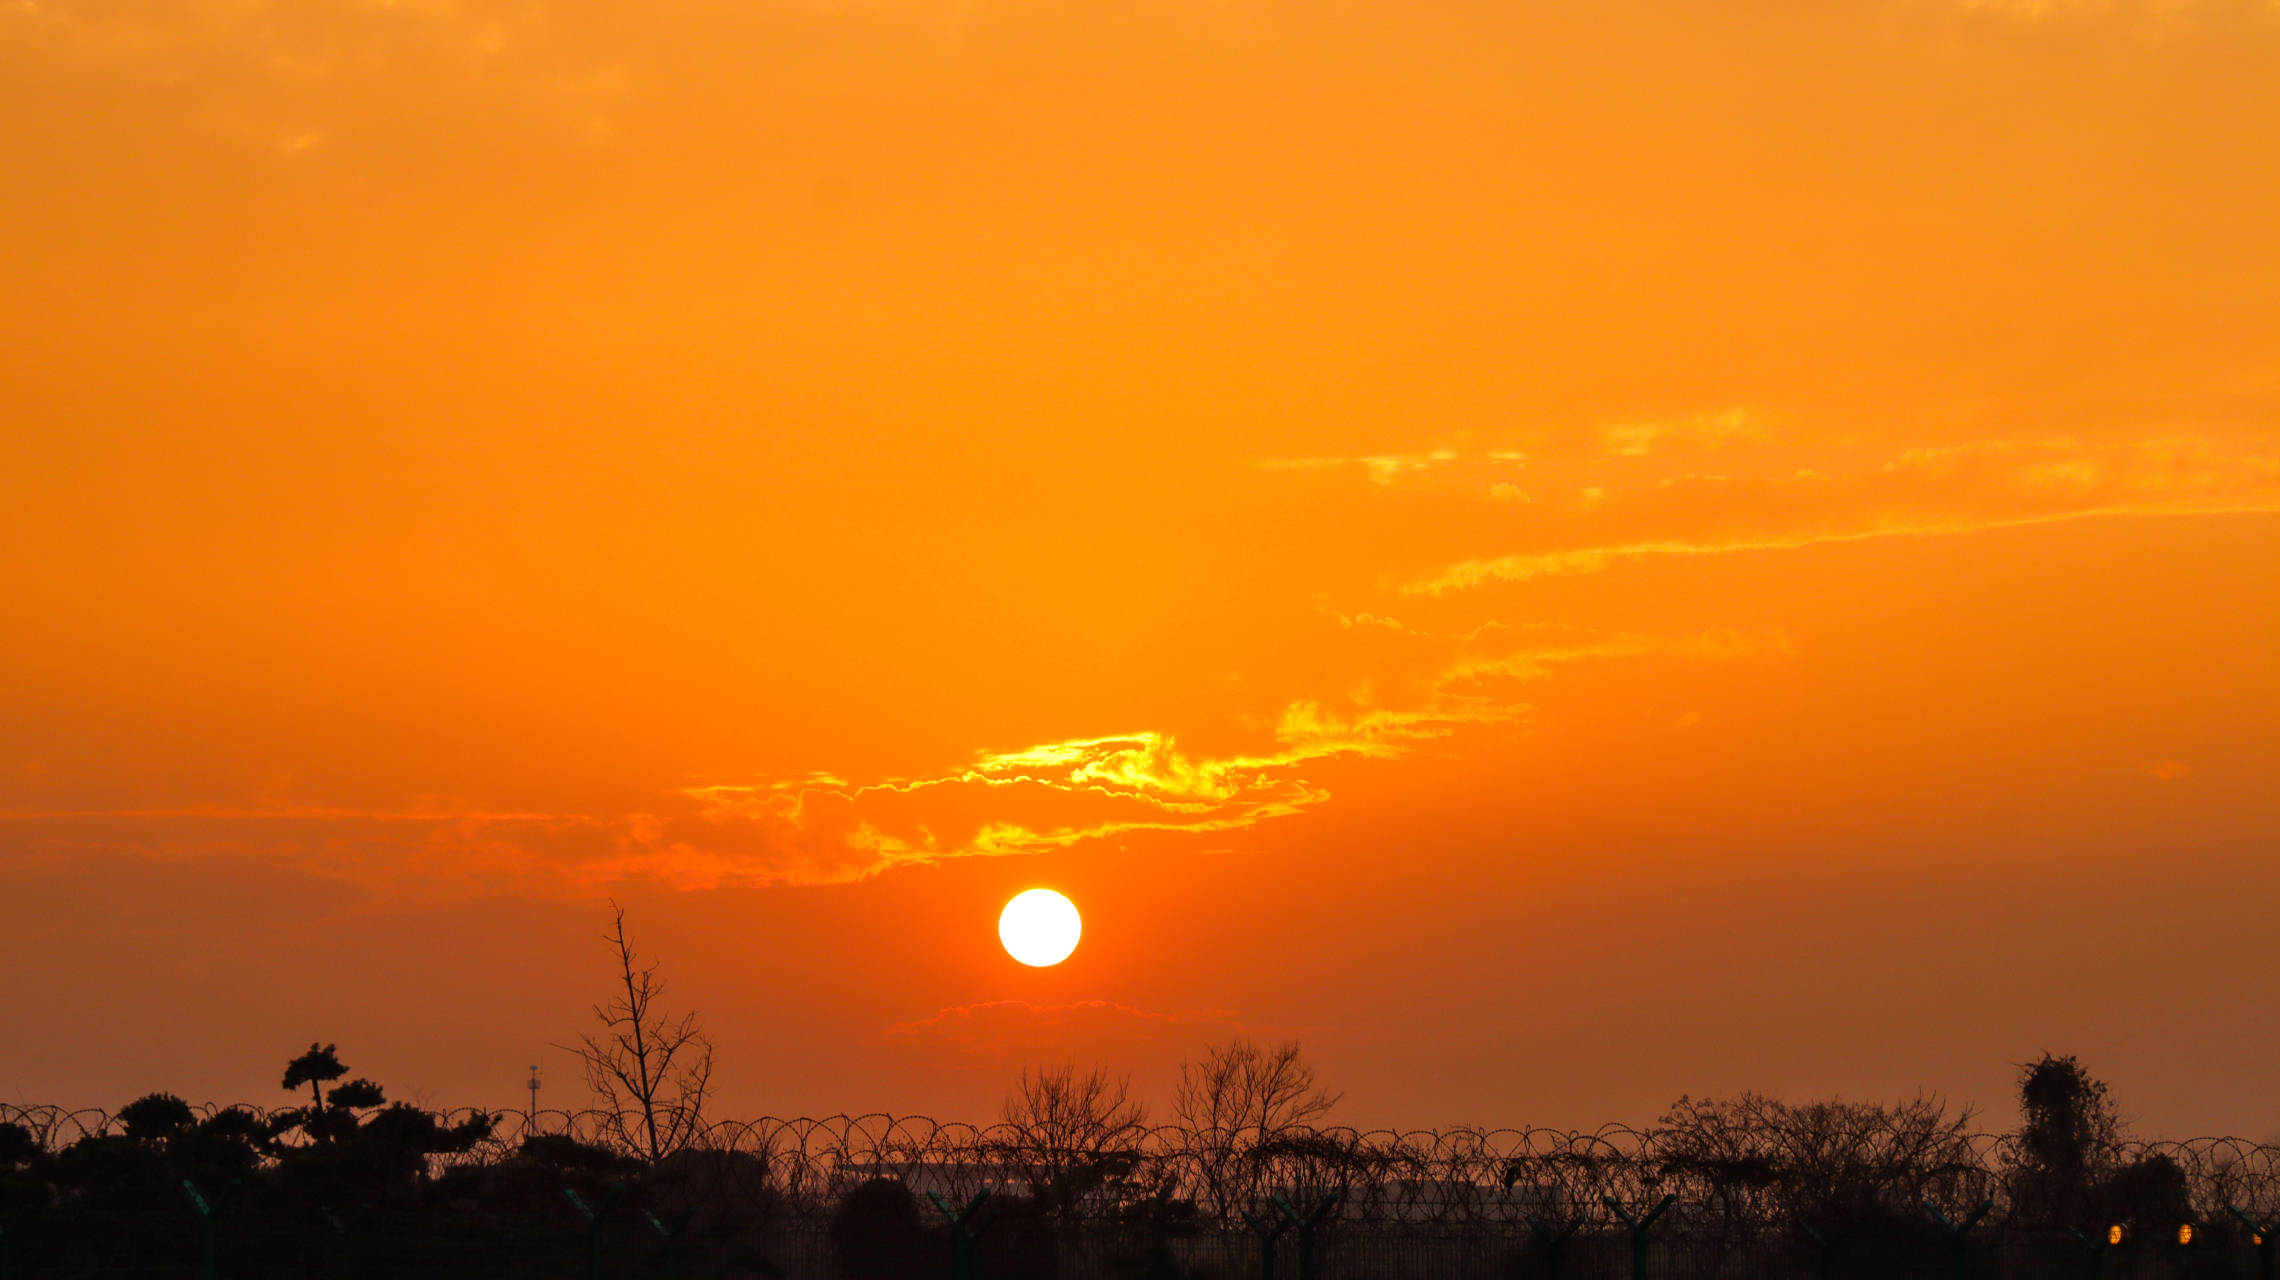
1403,687
1702,431
1921,492
1383,468
1386,468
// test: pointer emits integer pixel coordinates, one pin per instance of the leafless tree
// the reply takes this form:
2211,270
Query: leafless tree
1822,1164
650,1069
1073,1134
1240,1087
1239,1105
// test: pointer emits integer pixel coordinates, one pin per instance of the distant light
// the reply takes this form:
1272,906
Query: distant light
2114,1234
2184,1233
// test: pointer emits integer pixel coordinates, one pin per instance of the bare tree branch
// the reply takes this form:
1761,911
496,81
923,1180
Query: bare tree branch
1073,1134
1238,1105
651,1069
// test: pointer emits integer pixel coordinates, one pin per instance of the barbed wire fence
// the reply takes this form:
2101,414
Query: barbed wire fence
1478,1180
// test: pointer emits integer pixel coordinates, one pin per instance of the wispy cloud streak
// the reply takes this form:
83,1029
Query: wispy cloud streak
1922,492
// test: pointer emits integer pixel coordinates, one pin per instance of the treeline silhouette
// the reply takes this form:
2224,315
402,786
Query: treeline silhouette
1074,1181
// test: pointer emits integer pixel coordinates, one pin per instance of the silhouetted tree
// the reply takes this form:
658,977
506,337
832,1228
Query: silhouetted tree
2068,1142
358,1095
1239,1098
1825,1165
358,1144
1242,1087
1072,1134
162,1142
318,1067
649,1068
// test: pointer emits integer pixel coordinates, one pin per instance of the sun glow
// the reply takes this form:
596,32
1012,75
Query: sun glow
1039,927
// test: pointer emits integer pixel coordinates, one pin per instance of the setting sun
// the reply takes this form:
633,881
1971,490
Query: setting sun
1039,927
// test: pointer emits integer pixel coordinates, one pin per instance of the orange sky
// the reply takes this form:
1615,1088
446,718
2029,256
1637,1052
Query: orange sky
1566,553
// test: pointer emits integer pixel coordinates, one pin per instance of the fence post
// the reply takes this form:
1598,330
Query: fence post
344,1231
965,1232
2267,1249
209,1245
594,1219
1639,1227
672,1239
1555,1243
1959,1233
1828,1246
1267,1240
1305,1225
2097,1254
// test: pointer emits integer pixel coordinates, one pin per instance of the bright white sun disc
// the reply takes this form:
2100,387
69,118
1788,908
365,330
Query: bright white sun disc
1039,927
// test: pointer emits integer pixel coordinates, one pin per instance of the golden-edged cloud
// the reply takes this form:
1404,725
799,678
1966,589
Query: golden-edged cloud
1402,687
1055,795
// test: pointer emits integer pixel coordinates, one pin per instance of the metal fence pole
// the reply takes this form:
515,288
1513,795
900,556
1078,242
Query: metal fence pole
594,1219
1959,1233
1828,1247
209,1243
2267,1249
1555,1243
671,1236
344,1230
1267,1240
965,1232
1639,1228
2097,1253
1305,1224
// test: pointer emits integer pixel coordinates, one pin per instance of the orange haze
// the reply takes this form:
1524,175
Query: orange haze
1564,553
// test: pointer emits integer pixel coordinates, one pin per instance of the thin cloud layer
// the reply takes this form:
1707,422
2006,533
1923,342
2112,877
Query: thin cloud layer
1924,491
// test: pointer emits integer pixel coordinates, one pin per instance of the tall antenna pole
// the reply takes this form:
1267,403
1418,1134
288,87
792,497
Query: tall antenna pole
530,1123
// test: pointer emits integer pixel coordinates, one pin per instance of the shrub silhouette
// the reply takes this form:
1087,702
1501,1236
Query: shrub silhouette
563,1153
1019,1244
2150,1194
18,1149
876,1234
156,1117
21,1161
